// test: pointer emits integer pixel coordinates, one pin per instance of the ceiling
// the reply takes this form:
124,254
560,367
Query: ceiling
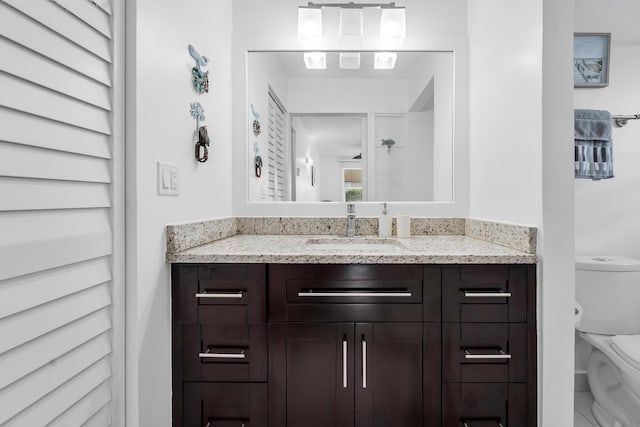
340,135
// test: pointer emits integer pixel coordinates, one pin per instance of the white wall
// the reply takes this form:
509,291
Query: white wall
159,127
347,96
505,105
607,211
521,160
264,71
443,122
420,160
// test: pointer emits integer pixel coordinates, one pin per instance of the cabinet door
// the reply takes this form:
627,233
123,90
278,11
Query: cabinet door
311,378
389,380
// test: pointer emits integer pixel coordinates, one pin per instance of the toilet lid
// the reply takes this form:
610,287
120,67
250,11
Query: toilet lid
628,348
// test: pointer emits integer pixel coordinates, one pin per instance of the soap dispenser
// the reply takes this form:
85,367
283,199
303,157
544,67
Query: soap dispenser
384,223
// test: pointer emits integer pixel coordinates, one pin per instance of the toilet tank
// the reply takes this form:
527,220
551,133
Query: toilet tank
608,290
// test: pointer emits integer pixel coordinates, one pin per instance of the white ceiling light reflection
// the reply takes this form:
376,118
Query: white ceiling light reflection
385,60
350,23
315,60
393,22
309,22
350,60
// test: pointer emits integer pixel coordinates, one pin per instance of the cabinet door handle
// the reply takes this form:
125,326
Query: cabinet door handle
237,294
312,293
364,362
468,424
500,355
209,424
209,355
471,294
344,362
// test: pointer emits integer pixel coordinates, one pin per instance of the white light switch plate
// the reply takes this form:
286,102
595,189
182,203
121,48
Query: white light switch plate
168,179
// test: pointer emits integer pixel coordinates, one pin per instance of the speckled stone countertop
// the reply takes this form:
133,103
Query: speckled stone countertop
328,249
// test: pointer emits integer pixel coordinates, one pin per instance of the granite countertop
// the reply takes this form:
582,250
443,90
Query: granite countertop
327,249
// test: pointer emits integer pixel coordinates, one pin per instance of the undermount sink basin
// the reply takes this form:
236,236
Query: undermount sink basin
356,244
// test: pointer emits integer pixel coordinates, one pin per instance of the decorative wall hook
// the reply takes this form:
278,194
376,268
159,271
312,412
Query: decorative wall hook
197,112
202,152
256,121
389,143
257,160
199,79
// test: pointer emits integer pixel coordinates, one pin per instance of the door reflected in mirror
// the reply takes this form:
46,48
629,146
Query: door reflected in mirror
336,135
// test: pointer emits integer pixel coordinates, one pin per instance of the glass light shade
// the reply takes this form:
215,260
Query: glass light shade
350,60
385,60
350,22
309,22
393,22
315,60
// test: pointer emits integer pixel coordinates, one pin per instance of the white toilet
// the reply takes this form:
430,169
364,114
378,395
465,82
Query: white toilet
608,317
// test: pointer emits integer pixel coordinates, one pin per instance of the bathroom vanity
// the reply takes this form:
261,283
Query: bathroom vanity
441,334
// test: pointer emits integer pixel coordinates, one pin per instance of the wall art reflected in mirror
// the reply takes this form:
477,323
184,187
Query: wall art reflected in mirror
351,126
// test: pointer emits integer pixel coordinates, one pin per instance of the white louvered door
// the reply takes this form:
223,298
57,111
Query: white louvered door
276,160
61,210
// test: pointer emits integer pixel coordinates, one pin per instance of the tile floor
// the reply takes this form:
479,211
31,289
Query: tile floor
582,414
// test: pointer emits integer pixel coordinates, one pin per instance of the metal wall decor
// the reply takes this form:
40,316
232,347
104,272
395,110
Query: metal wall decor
202,152
257,160
200,79
256,121
389,143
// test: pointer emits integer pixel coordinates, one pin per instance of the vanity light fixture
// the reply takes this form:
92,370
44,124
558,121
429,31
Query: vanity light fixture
392,19
315,60
350,60
385,60
393,22
350,22
309,21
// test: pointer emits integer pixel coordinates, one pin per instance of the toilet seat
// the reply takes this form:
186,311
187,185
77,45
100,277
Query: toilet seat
628,348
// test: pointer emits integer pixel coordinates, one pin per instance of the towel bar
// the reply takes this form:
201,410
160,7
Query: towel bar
623,119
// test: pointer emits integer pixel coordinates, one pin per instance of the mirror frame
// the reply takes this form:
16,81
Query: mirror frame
242,207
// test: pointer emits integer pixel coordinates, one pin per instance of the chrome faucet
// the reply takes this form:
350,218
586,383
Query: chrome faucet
351,220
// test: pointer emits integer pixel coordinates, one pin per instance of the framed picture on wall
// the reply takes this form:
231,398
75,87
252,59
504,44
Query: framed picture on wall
591,59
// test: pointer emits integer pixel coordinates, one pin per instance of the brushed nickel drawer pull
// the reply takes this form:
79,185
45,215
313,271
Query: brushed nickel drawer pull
209,355
354,294
219,295
501,355
471,294
364,362
209,424
466,424
344,362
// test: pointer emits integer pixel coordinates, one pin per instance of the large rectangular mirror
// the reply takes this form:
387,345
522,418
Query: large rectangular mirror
363,126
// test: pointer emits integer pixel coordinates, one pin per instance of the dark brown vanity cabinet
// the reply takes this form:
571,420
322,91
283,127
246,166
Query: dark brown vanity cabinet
488,345
219,343
349,346
354,345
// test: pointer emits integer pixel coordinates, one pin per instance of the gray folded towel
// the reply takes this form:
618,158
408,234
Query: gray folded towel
593,150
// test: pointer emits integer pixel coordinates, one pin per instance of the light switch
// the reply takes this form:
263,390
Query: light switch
168,179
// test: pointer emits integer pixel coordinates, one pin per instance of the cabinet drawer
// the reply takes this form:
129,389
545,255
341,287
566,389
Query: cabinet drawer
346,293
225,405
484,404
219,293
224,352
484,352
484,293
